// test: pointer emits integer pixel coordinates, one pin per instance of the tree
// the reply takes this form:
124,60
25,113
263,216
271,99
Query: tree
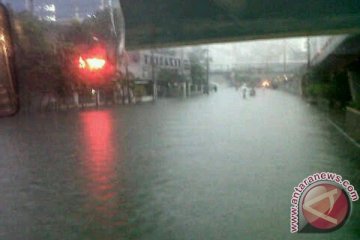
40,68
48,53
167,76
197,67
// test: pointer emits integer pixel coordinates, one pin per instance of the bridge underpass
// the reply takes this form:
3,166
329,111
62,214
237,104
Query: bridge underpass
175,23
214,167
186,23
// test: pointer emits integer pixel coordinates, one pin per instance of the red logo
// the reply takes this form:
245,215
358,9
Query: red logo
326,207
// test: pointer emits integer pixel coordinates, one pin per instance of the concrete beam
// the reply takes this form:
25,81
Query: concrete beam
186,22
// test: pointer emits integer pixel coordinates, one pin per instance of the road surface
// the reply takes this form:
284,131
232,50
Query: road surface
209,167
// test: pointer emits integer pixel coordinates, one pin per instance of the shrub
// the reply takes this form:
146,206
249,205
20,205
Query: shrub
355,104
324,90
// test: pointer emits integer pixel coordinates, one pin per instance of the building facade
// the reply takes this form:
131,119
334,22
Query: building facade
160,72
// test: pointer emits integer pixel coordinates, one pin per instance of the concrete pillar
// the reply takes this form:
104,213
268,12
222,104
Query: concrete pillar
155,92
189,89
183,89
354,83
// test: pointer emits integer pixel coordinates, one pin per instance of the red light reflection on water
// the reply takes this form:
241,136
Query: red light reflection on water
99,162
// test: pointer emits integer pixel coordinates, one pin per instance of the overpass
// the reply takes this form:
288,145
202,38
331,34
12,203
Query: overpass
336,55
161,23
255,71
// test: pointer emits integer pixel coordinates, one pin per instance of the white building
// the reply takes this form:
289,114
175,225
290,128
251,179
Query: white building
145,66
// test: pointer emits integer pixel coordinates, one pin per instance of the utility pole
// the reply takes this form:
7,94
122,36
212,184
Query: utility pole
97,97
308,52
153,77
127,82
207,70
285,56
185,84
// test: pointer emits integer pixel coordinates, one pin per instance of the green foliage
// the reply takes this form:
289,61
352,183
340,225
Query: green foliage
243,77
75,33
31,36
198,70
324,90
166,76
355,104
99,26
317,75
332,86
39,67
46,56
341,87
139,90
102,27
238,76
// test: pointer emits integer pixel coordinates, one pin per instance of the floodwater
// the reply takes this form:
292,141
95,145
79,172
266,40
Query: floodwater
208,167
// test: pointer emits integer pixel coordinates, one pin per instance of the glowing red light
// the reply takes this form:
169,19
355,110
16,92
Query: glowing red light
82,63
92,64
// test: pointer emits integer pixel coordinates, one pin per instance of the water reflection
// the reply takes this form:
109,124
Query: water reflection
99,160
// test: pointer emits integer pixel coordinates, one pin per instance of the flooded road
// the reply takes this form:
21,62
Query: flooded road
211,167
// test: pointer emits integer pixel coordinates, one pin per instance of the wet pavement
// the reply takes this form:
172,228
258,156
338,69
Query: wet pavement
210,167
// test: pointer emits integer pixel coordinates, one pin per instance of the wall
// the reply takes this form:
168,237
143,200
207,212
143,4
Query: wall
353,123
